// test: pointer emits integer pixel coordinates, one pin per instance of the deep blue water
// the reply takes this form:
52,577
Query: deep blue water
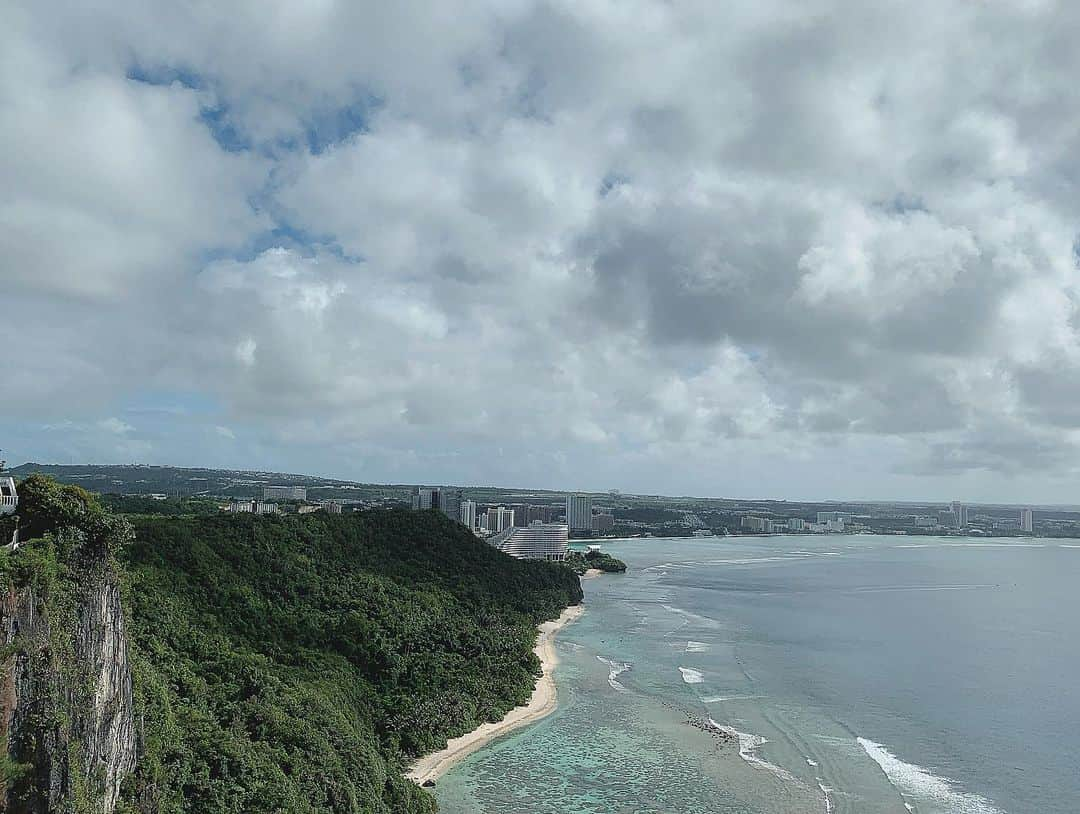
936,674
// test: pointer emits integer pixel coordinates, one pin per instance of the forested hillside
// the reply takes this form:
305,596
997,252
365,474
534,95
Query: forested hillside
298,663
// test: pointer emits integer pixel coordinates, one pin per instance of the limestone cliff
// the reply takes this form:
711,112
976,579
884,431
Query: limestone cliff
66,714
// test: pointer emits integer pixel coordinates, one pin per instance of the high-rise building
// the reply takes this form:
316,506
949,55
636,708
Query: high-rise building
284,493
602,522
537,541
450,503
579,514
1027,520
468,513
525,514
499,518
960,514
425,498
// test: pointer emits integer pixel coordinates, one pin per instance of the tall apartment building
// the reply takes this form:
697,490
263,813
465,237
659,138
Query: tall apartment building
579,514
450,503
425,498
467,513
1027,520
960,514
443,498
499,518
284,493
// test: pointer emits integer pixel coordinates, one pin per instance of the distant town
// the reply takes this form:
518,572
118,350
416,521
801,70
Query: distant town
541,523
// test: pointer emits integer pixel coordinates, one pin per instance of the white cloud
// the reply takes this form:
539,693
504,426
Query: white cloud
628,242
115,426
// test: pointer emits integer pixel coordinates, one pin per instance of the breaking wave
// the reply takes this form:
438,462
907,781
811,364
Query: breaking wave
923,785
692,676
617,668
748,746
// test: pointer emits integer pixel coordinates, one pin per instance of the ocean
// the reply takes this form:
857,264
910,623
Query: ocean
787,675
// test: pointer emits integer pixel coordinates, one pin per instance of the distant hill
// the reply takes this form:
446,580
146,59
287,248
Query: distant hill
177,481
138,479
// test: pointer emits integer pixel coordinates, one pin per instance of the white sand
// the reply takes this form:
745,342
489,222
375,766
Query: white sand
592,573
543,702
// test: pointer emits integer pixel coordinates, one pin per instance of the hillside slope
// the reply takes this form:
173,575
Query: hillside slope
298,663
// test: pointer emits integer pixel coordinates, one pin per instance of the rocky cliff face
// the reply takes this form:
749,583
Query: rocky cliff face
67,734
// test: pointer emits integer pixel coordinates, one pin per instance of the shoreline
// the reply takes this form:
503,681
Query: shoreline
542,703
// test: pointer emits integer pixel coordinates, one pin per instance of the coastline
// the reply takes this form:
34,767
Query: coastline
542,703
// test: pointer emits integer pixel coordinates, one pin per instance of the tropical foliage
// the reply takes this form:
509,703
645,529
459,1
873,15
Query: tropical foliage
299,663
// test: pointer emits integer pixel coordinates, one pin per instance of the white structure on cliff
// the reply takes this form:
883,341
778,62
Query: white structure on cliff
9,498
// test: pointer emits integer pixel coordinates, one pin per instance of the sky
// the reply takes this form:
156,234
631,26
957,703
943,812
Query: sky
754,249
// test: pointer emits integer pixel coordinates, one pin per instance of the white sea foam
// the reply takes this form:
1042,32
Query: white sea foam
923,785
825,790
748,746
878,589
688,615
696,647
810,762
717,699
692,676
617,668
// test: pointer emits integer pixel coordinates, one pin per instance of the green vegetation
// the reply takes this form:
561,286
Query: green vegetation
295,663
69,551
298,663
580,563
169,507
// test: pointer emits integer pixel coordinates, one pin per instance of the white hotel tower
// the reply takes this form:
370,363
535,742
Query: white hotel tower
537,541
579,513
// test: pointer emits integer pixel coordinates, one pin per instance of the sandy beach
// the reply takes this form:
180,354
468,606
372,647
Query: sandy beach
592,573
543,702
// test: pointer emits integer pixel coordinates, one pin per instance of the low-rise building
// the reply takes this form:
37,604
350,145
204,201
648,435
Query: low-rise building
252,507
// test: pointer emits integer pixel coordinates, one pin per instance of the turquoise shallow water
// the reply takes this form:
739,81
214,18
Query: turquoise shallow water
795,674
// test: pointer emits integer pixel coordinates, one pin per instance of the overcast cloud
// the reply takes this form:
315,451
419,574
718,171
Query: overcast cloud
817,249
